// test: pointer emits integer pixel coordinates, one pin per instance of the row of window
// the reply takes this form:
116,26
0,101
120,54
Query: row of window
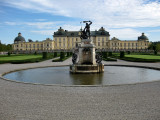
129,44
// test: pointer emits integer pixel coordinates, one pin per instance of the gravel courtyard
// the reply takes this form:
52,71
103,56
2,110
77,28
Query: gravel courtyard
19,101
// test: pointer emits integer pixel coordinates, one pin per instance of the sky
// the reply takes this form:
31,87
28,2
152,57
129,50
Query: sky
39,19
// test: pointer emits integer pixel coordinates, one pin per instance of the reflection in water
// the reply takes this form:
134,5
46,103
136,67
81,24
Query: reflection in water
113,75
86,79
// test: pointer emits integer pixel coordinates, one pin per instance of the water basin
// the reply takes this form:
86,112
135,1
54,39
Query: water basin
113,75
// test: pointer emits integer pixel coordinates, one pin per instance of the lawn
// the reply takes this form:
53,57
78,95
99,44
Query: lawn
144,56
19,57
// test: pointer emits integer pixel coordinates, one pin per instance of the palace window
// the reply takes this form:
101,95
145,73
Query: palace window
98,39
59,39
102,39
121,44
98,43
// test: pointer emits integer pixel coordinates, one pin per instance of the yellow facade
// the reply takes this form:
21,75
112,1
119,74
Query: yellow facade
47,44
67,40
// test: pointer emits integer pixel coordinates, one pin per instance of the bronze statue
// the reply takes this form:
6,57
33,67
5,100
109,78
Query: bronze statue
85,34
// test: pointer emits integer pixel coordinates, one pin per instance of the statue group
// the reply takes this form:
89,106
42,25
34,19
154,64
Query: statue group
85,33
85,58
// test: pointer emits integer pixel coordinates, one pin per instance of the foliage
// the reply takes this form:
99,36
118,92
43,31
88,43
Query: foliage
55,54
9,54
154,46
110,54
62,55
104,54
68,54
44,55
4,47
35,53
128,52
122,54
142,58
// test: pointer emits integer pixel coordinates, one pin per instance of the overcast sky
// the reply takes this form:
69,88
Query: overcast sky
39,19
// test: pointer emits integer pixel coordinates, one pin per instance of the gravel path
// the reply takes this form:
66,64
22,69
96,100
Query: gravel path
20,101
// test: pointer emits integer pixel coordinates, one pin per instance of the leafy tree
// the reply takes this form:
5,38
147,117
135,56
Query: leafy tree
155,46
4,47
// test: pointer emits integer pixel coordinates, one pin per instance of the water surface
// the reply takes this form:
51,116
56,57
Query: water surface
113,75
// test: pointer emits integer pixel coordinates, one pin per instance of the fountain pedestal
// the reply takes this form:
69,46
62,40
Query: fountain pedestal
87,59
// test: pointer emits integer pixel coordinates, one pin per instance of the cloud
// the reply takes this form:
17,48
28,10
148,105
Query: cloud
154,30
44,32
110,13
40,20
11,23
39,25
125,34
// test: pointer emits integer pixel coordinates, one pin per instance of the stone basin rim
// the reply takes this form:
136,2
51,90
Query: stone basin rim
62,85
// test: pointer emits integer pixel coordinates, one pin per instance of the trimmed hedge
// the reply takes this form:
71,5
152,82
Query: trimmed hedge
62,55
55,54
109,53
122,54
44,55
104,54
140,59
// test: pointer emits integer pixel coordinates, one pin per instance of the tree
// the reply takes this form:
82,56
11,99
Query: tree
4,47
155,46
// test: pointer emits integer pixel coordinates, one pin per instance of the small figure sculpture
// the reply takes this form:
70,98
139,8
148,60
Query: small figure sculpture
98,58
74,58
85,34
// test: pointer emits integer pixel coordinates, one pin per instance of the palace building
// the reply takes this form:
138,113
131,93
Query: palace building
67,40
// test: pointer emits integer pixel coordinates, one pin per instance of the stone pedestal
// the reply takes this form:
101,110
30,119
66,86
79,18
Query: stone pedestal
96,68
86,52
87,61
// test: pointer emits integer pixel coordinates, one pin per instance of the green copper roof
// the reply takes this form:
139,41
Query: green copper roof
142,37
19,38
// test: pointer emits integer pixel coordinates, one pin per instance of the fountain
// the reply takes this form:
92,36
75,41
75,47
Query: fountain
89,61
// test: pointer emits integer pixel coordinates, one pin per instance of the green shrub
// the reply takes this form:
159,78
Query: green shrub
44,55
35,53
55,54
110,54
155,52
68,54
128,52
104,54
9,54
62,55
122,54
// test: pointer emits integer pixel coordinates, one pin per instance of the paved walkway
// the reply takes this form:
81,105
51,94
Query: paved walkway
20,101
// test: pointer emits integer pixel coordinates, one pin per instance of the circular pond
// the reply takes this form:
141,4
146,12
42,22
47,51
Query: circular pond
113,75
